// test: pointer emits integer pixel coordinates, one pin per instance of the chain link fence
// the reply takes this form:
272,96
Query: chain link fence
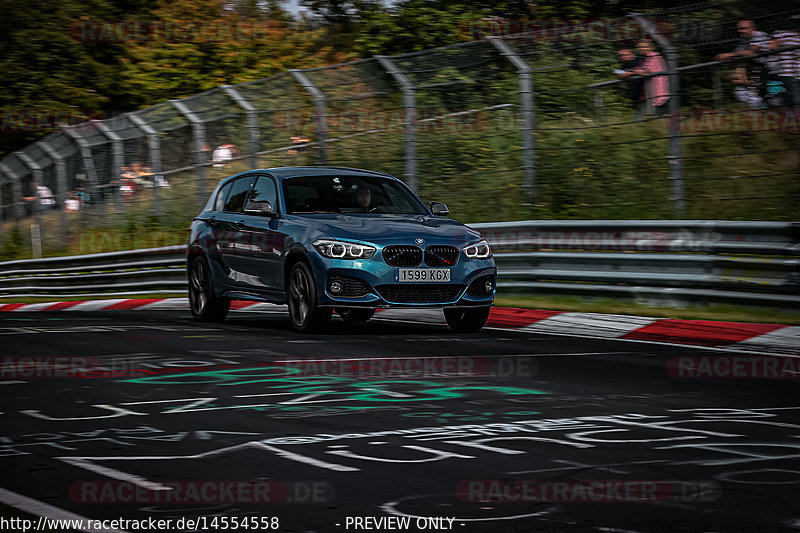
507,127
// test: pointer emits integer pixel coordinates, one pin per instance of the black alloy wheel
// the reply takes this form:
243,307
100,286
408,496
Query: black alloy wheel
204,304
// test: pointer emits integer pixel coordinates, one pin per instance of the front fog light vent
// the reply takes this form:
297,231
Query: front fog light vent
347,287
482,287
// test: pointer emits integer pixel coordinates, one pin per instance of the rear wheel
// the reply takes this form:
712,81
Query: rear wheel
355,315
206,306
301,295
466,320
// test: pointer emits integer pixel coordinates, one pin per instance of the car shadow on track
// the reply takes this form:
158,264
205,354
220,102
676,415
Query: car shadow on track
338,327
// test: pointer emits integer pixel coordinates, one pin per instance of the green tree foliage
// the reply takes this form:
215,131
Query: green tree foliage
212,45
47,71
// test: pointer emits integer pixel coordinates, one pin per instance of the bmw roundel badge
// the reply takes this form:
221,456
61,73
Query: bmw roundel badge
419,241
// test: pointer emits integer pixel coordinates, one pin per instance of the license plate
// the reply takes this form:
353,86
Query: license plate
421,275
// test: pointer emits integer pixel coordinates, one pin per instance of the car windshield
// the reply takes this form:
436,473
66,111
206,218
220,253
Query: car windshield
349,194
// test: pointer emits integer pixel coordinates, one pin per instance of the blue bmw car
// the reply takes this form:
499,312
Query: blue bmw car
325,239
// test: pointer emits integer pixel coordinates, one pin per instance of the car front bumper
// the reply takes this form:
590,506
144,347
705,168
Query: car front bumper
373,283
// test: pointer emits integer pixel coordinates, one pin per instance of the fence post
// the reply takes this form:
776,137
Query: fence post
409,121
154,149
16,193
598,103
716,86
16,198
675,157
116,154
528,115
2,205
17,205
38,181
252,121
88,163
321,111
199,135
61,186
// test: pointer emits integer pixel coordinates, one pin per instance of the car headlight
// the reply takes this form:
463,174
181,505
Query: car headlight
344,250
479,250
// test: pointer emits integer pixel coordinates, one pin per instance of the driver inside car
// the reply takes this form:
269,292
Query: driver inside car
362,197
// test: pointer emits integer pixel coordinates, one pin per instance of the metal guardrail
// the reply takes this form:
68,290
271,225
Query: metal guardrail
126,273
672,262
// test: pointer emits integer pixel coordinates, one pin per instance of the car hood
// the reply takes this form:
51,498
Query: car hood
393,229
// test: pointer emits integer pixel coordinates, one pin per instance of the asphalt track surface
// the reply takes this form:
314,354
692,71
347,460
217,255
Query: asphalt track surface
499,430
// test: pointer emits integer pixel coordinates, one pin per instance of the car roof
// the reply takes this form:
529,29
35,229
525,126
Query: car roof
292,172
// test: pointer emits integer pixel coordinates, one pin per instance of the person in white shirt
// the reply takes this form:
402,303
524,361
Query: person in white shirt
751,41
222,154
72,203
45,195
787,66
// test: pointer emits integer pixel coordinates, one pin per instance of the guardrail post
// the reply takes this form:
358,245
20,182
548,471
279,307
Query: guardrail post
528,115
117,154
252,121
154,149
409,121
61,187
321,112
199,135
675,157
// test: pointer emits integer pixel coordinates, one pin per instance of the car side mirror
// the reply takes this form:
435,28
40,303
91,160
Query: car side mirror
439,209
260,209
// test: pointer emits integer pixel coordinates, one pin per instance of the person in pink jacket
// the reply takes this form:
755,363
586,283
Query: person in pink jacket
657,87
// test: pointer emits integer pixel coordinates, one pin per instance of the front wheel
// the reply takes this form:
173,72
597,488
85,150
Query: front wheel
467,320
206,306
301,296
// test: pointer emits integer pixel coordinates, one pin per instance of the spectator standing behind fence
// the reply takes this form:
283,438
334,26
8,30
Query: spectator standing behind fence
43,196
72,203
630,63
222,154
126,182
656,87
786,67
751,41
747,90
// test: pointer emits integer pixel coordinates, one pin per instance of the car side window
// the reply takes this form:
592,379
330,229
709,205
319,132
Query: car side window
219,204
234,202
264,191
